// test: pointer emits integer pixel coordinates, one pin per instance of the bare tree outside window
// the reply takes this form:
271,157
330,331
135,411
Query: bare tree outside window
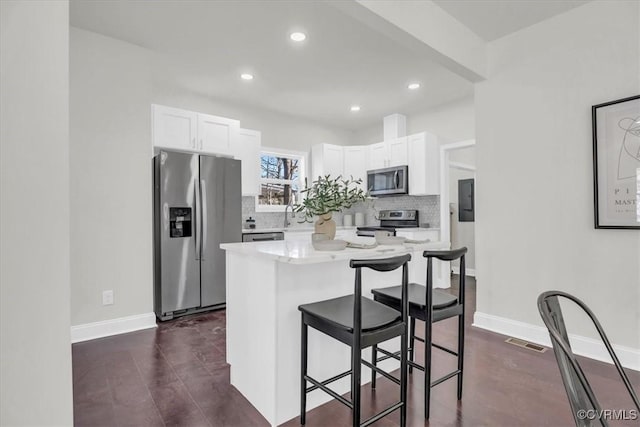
279,179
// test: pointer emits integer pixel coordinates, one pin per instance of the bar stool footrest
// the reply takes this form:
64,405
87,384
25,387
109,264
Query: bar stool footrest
446,377
381,372
330,380
382,414
329,391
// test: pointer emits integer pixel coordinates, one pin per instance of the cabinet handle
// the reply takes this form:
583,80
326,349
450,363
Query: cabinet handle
201,143
193,142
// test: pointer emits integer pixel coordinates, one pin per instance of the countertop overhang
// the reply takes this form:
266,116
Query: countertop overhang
301,252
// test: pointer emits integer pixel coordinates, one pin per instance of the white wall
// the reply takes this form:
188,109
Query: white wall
113,84
35,349
534,218
453,122
111,246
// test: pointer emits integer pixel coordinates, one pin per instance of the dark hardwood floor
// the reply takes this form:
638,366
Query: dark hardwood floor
177,375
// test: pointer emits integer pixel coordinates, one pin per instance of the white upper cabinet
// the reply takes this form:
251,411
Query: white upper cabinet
355,163
216,134
424,164
247,149
378,156
398,152
387,154
174,128
326,159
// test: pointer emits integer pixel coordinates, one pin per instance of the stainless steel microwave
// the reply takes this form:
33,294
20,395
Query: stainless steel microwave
388,181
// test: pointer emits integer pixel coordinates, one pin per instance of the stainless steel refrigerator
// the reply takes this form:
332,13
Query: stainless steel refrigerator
197,206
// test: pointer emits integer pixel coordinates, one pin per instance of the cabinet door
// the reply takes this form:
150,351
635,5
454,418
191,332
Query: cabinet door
355,164
424,164
398,152
332,160
247,150
174,128
378,156
216,134
326,159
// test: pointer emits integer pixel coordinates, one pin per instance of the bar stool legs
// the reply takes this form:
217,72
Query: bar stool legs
460,352
303,374
374,362
412,340
356,360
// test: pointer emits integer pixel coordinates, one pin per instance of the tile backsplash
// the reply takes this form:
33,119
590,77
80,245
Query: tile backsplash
428,207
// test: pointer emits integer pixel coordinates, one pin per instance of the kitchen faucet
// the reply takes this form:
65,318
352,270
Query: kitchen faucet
286,219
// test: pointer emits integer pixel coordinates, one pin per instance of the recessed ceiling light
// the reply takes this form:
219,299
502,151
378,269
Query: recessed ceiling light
298,36
246,76
413,86
355,108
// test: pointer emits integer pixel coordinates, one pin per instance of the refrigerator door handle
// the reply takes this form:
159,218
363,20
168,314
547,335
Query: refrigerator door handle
203,217
198,225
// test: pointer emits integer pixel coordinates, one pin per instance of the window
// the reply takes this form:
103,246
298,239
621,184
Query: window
281,175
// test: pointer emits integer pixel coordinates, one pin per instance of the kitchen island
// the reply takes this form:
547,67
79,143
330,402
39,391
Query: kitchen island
266,282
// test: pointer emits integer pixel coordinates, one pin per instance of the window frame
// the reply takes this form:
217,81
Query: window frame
302,158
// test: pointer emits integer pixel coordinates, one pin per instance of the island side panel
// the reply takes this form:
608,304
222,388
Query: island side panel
251,329
306,283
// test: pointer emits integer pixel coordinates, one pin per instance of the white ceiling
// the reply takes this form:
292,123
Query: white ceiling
206,45
203,46
492,19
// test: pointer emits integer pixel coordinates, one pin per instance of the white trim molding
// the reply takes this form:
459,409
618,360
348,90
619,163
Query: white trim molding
455,269
106,328
583,346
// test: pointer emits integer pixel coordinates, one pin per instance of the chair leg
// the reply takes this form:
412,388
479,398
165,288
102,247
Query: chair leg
374,362
427,367
303,372
460,352
356,360
403,378
412,340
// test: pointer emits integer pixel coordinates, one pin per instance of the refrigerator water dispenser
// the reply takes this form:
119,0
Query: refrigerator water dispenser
179,222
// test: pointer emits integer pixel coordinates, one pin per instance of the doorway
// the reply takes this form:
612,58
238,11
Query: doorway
457,217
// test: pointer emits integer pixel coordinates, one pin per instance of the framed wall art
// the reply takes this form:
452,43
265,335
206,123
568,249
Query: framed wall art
616,163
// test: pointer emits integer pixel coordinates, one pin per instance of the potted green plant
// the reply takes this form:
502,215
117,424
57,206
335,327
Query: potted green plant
325,196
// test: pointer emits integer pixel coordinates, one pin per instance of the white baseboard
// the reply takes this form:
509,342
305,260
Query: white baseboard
121,325
583,346
467,271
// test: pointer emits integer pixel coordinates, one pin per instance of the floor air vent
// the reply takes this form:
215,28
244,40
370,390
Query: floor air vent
526,344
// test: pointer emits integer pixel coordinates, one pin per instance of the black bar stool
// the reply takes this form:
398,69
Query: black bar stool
359,323
429,305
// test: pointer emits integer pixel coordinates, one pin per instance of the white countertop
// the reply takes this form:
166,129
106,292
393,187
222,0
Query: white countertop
301,252
308,229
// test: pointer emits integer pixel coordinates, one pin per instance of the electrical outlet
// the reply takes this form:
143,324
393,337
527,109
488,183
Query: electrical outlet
107,297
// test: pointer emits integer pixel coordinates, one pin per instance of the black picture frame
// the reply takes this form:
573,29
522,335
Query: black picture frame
616,161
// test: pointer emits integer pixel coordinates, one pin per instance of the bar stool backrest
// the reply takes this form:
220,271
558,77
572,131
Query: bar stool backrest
584,405
384,264
448,255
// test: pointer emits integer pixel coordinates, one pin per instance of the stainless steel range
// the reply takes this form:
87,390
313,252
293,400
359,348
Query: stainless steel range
390,220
